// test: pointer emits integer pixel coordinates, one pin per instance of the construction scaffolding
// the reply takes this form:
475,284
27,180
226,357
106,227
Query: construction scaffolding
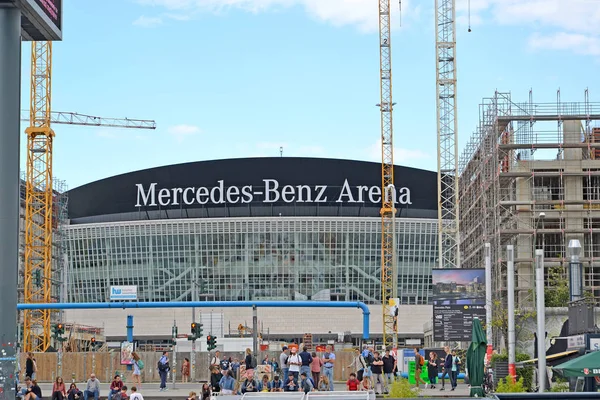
59,242
530,177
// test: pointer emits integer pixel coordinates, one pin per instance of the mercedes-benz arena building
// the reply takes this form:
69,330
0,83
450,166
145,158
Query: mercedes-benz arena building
250,229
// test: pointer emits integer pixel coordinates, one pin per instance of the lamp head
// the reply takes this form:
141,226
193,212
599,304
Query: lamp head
574,247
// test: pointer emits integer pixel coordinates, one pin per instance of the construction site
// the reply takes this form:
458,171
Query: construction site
530,177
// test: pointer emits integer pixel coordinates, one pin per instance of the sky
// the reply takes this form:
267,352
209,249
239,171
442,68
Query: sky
243,78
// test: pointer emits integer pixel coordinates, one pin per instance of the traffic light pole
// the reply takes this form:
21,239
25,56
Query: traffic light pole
59,350
193,354
174,368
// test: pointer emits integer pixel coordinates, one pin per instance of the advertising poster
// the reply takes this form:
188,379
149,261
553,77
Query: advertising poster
126,349
458,297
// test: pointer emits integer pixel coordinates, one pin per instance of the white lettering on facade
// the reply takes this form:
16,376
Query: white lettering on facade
175,198
145,197
375,191
271,190
233,191
288,190
247,193
164,197
186,199
321,198
304,189
217,189
153,196
346,194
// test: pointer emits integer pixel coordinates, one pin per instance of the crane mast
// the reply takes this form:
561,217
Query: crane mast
388,211
447,128
38,202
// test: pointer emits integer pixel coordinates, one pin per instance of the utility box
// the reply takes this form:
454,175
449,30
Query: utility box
581,318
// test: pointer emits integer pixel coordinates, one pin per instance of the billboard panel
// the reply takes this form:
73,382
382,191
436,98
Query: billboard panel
123,293
40,19
127,349
458,297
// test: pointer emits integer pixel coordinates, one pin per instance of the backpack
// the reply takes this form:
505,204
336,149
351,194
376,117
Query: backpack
162,367
253,364
140,364
369,360
421,360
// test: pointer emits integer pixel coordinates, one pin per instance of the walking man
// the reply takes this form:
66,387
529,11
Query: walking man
446,367
163,370
419,362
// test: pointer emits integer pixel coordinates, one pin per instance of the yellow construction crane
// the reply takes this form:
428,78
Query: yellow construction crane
39,280
389,274
447,131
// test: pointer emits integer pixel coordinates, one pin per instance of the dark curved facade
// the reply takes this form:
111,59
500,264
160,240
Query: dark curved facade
250,229
253,187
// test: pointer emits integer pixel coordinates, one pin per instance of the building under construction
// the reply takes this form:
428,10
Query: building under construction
530,177
59,224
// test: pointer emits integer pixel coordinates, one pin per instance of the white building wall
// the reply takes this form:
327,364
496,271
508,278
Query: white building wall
150,323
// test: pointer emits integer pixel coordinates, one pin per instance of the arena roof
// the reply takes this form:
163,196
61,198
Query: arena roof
253,187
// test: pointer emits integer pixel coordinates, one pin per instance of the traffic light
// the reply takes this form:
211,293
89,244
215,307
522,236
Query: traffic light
211,342
58,330
37,277
196,329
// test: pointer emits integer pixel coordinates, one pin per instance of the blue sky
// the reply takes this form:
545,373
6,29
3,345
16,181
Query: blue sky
242,78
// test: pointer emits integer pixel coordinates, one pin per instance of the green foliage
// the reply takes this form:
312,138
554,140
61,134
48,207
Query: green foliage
402,389
524,374
500,318
556,294
507,385
561,385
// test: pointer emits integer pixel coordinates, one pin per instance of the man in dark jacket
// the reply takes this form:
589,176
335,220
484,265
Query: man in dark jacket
306,361
446,366
29,366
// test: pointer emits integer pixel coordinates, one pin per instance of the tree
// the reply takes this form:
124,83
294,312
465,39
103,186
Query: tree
556,293
500,319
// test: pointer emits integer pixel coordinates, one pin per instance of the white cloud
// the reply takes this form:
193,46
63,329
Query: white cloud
402,156
181,132
575,42
147,22
360,13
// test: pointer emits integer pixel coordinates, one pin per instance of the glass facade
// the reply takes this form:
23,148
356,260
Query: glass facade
268,258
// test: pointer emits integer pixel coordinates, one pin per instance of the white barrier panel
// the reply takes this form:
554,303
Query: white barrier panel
370,395
219,396
274,395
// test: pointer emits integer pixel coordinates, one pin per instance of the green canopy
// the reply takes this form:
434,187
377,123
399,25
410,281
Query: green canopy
475,359
584,366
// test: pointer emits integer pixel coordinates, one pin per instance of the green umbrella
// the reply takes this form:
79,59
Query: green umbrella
585,366
475,359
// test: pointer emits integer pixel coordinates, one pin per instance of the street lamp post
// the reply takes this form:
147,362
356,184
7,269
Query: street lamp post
542,217
541,319
575,271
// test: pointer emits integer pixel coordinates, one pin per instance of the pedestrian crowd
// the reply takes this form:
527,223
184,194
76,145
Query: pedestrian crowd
296,371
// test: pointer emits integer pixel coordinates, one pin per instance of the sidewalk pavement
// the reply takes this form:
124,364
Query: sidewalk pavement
150,391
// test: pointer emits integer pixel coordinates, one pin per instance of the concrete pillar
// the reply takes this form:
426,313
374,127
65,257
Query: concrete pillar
573,185
10,99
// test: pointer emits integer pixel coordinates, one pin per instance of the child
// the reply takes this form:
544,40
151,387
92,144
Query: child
365,385
352,383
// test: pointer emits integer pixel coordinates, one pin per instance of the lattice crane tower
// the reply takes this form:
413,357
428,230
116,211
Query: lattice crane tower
38,202
39,280
447,128
389,273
